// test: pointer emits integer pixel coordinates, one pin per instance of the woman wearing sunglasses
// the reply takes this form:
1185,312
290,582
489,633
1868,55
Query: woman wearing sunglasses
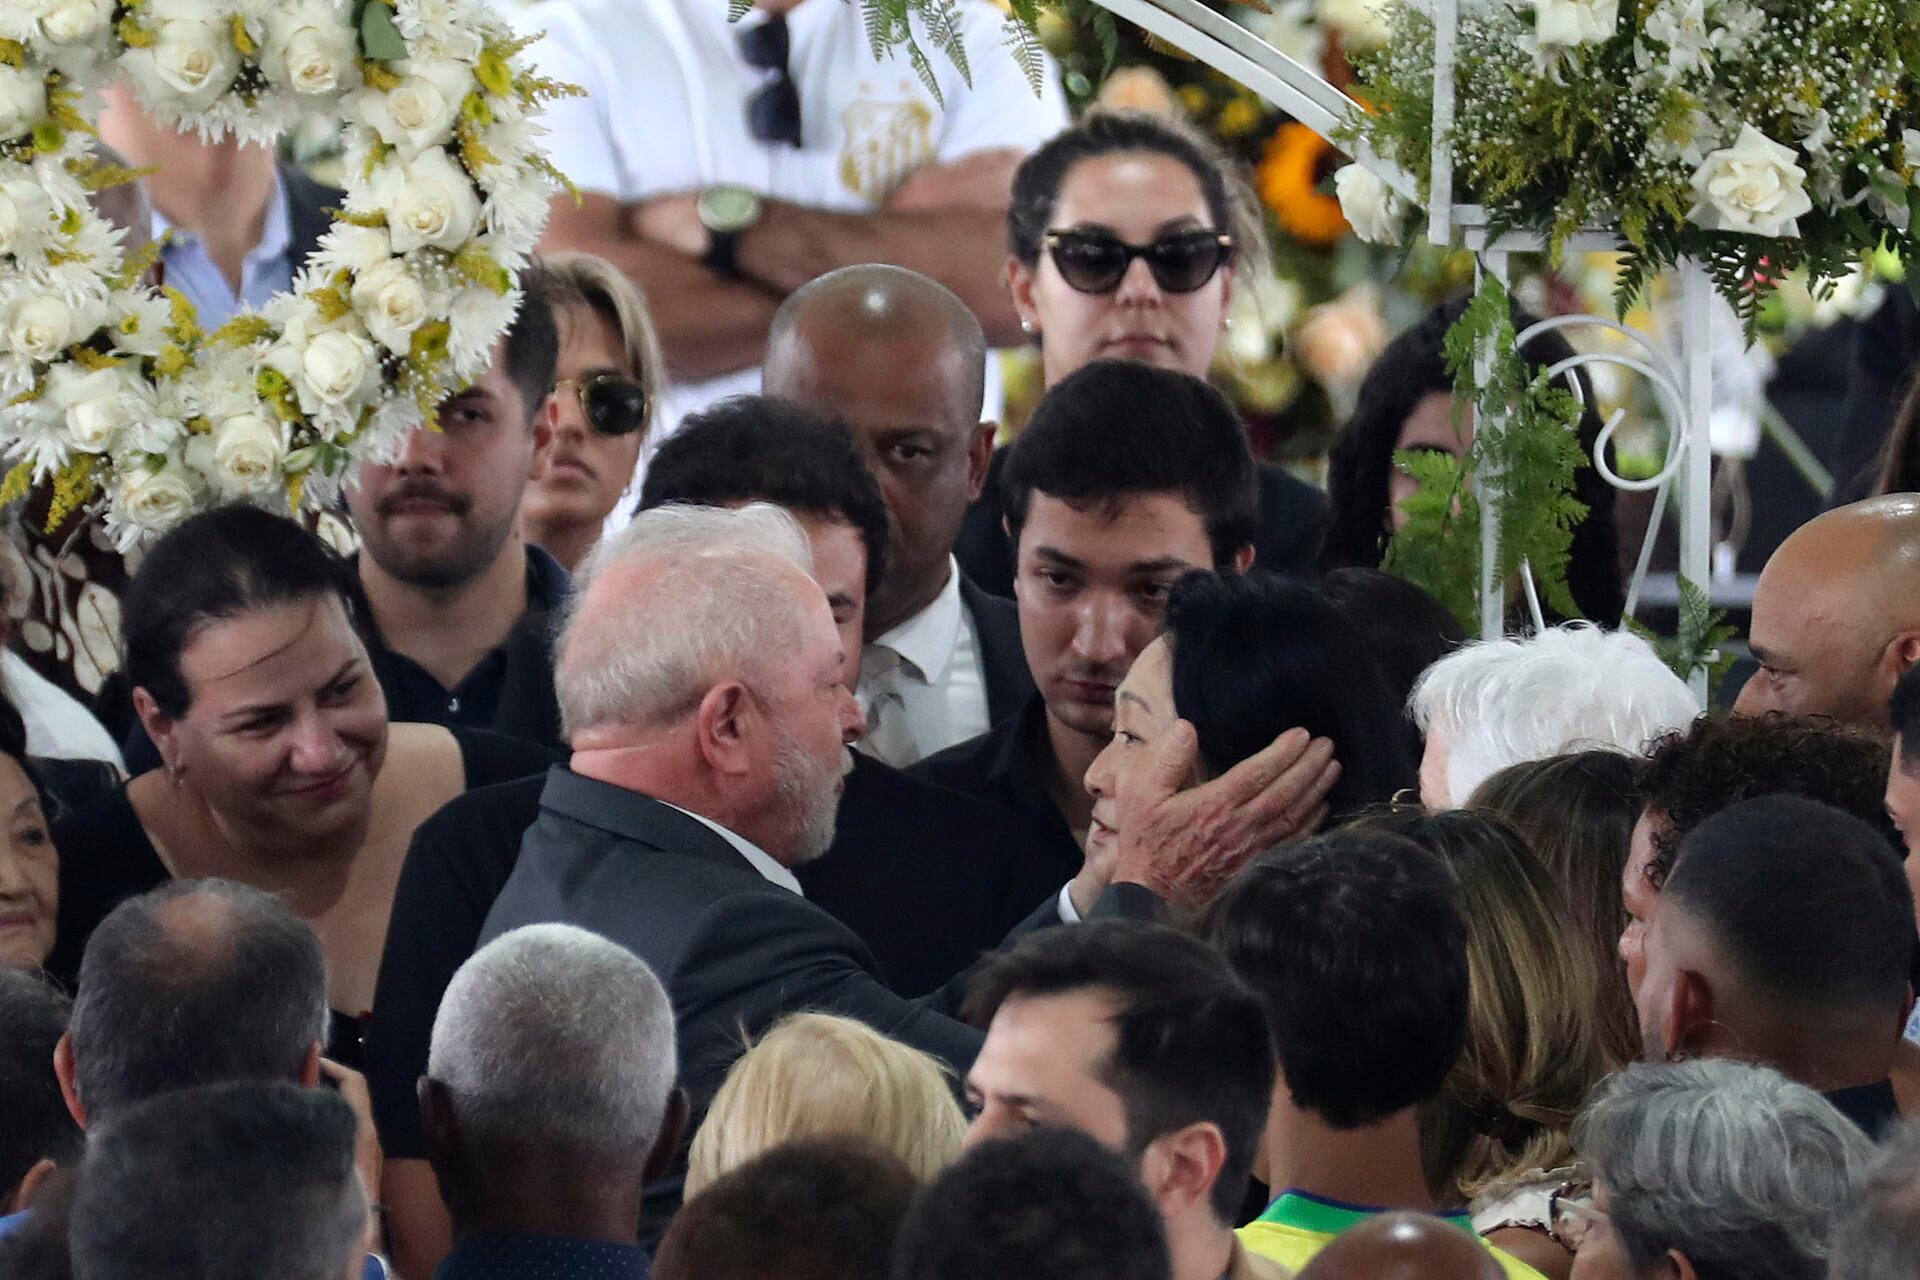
600,409
1123,237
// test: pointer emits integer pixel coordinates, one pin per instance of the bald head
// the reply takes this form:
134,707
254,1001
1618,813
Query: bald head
903,361
1836,615
1403,1246
872,316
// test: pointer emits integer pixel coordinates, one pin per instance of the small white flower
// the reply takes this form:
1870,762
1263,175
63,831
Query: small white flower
429,201
392,302
138,323
1755,186
310,49
154,501
1567,24
23,100
42,326
1680,25
244,455
336,366
1374,210
26,216
1819,134
195,58
1910,143
419,112
73,21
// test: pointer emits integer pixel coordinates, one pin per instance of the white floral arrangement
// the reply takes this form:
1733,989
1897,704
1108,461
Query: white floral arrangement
111,390
1753,135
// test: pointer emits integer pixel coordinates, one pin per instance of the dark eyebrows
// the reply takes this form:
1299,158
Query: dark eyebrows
261,708
30,803
1056,556
1164,564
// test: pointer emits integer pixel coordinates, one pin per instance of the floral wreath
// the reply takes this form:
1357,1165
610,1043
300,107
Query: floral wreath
111,390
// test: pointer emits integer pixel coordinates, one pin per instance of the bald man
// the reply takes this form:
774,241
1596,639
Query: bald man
903,360
1836,617
1403,1246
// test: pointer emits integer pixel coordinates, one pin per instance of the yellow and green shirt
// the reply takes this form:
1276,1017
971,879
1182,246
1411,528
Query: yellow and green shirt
1298,1225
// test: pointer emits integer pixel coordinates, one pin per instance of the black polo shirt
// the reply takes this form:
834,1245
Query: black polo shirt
1007,766
509,691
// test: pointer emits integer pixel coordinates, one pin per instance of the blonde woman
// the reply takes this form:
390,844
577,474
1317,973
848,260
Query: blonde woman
816,1075
1498,1136
606,384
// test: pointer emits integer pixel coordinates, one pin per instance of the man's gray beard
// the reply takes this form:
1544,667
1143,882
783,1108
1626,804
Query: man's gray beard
808,796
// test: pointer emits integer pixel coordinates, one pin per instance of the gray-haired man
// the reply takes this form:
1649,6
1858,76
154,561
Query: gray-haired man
549,1104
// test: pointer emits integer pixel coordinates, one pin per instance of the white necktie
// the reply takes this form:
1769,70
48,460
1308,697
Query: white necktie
889,737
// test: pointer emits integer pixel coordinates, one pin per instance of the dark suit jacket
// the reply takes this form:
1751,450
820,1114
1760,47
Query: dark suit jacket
736,952
307,216
1289,535
1003,663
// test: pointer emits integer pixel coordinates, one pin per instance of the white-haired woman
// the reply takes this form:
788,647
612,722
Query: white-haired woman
606,383
1568,688
1710,1170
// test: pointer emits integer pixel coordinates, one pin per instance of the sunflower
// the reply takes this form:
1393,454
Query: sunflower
1289,178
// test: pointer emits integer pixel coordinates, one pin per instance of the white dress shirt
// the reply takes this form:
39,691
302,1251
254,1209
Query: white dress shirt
921,684
266,271
665,113
759,859
58,726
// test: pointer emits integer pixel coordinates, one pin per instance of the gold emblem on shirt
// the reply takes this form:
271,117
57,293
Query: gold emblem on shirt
885,141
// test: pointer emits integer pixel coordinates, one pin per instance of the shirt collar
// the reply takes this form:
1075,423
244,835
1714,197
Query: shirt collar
1307,1212
757,858
926,641
276,228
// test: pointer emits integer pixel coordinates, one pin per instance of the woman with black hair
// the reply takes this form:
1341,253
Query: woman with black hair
1243,659
280,768
1406,403
1124,236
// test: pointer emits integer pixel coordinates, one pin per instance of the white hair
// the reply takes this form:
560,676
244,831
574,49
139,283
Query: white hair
717,604
553,1037
1568,688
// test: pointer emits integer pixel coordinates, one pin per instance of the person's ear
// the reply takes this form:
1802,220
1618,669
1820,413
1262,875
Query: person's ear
437,1122
23,1195
980,458
310,1067
1902,653
728,724
1677,1266
162,729
1689,1013
63,1071
1243,559
1226,290
1180,1168
673,1127
1020,282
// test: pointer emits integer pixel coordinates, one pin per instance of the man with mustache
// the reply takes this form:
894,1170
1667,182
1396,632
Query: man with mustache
455,598
1110,496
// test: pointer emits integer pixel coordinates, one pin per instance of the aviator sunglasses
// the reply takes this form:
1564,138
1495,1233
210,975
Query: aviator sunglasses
1096,261
614,406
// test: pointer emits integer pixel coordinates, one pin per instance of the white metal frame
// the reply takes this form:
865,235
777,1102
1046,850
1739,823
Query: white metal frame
1684,385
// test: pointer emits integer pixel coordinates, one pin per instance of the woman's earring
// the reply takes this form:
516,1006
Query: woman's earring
1026,326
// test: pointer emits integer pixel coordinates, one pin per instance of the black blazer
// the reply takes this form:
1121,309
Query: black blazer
1003,663
307,216
1289,534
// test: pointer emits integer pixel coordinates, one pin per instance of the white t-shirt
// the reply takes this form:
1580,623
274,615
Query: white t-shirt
666,113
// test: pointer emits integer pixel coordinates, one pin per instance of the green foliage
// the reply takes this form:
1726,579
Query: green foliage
1700,636
1525,445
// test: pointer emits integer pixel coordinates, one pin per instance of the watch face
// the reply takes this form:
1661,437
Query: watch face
726,209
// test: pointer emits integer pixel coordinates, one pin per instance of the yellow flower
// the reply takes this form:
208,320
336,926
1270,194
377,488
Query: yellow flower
1288,179
1242,115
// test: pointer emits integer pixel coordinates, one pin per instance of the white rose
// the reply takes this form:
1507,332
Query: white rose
336,365
419,112
74,21
196,59
1374,211
432,202
393,303
41,327
97,408
1567,23
1755,186
248,451
316,61
23,101
155,500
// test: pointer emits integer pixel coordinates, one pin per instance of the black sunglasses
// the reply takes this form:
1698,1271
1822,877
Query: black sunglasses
614,406
1096,261
773,112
